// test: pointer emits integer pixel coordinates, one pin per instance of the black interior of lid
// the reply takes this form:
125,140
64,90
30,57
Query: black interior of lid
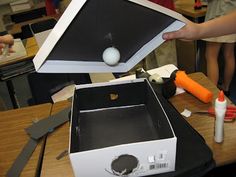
143,121
104,23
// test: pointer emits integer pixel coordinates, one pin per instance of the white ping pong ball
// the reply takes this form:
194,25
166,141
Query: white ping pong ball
111,56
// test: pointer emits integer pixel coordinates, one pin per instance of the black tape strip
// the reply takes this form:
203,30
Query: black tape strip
44,126
22,159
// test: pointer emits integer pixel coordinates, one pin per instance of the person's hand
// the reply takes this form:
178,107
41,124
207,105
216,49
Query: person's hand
190,31
6,40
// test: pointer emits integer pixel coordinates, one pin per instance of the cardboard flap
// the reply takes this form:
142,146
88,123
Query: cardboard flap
87,28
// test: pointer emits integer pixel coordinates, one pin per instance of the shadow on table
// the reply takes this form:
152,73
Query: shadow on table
226,170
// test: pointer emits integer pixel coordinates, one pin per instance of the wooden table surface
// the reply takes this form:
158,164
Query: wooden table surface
13,136
31,50
223,153
57,142
186,8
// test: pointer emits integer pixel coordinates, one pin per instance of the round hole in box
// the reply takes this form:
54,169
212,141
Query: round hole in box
124,164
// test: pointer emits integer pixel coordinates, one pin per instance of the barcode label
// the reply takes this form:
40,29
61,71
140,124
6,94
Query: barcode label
158,166
151,167
162,165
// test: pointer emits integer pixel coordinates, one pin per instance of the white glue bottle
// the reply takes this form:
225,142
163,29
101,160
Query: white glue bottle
220,110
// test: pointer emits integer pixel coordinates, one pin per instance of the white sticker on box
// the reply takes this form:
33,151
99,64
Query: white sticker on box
151,159
161,155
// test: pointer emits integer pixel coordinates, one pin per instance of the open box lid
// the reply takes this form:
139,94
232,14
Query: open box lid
88,27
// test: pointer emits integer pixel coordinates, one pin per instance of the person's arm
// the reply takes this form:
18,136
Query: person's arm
217,27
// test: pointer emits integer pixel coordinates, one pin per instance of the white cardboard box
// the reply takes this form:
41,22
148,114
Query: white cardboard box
120,128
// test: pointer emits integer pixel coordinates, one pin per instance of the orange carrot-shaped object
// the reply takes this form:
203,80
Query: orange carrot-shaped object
182,80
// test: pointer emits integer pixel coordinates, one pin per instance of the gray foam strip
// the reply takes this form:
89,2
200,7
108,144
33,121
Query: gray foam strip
44,126
22,159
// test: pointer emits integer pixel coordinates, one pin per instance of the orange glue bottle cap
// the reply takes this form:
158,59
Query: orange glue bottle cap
221,96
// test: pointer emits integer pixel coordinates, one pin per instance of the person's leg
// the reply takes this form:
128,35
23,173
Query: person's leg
229,65
150,61
212,52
